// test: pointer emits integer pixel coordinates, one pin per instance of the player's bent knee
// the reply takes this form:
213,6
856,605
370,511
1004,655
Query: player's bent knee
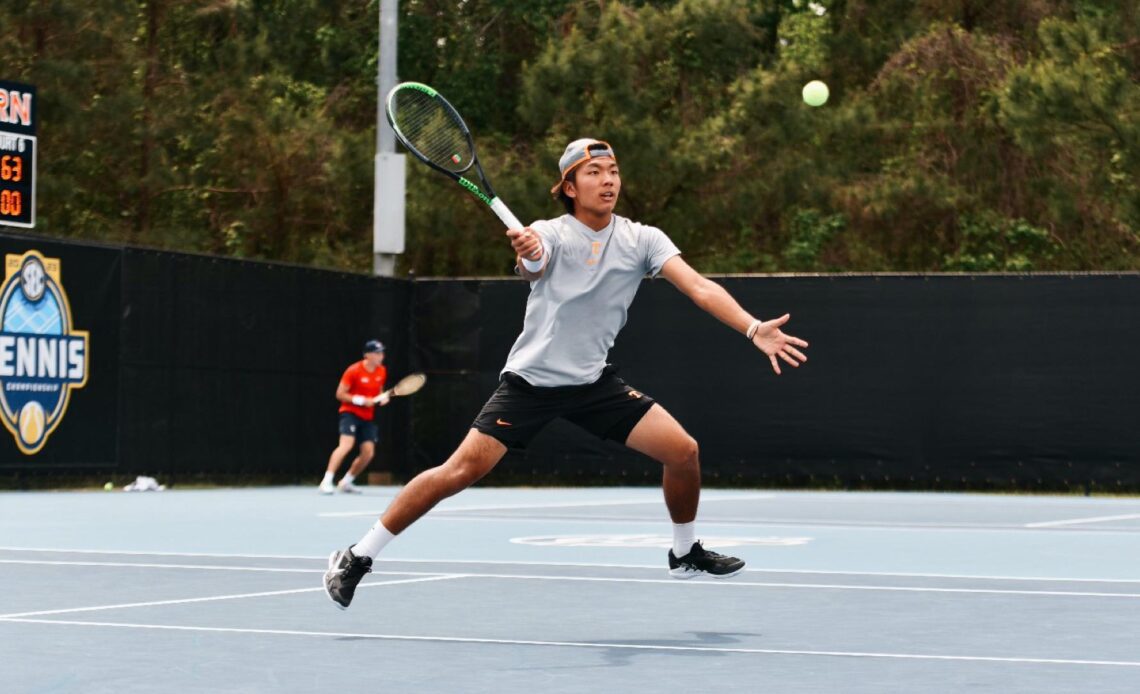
687,455
464,473
475,457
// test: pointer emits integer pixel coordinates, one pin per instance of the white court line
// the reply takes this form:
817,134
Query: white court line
808,586
657,567
212,598
1078,521
748,522
441,516
562,521
433,576
215,567
592,645
138,553
201,567
563,504
905,498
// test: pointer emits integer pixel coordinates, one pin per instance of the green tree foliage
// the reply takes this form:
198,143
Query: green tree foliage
964,135
1076,109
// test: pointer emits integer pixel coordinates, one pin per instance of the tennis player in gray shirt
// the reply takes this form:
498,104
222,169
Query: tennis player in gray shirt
584,269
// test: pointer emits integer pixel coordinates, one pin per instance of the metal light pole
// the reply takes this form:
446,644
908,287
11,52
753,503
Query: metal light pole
389,186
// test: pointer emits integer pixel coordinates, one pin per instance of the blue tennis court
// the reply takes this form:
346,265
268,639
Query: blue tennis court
566,590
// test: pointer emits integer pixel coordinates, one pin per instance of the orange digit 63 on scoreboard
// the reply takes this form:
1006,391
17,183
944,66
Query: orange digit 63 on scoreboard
11,168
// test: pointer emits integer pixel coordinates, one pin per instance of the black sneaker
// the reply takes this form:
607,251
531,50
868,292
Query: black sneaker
345,571
701,562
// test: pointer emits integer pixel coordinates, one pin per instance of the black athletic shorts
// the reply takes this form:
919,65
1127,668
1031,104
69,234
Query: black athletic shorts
363,430
607,408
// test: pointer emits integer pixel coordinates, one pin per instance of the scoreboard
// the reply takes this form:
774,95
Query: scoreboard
17,154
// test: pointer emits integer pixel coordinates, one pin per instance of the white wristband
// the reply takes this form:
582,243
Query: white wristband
534,265
751,332
358,400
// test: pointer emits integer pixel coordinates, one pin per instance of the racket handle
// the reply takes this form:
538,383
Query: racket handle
500,208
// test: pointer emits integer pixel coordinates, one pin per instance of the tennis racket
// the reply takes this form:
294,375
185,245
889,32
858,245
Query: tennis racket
434,132
408,384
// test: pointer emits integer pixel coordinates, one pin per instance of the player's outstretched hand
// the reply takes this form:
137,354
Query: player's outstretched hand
525,242
770,340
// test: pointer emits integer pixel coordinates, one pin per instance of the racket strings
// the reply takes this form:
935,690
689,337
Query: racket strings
409,384
431,129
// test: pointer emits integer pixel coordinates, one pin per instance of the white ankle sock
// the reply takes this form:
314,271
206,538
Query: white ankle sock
684,535
347,479
328,478
373,541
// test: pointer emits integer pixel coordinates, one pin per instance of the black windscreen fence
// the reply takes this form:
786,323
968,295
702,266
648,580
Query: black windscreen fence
1027,381
231,367
214,369
186,366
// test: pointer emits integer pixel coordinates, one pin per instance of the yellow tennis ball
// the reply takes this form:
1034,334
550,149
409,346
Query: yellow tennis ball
109,486
815,93
31,422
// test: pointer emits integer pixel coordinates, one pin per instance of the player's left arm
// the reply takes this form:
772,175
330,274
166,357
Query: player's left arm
715,299
383,398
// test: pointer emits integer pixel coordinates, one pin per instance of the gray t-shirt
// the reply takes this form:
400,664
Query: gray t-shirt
575,310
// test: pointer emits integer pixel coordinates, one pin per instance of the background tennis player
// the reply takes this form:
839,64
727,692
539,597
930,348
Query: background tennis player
360,391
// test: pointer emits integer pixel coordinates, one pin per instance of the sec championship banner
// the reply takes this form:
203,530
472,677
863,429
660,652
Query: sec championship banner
58,396
43,356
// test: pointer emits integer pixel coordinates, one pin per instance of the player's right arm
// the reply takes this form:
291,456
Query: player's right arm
528,247
344,392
